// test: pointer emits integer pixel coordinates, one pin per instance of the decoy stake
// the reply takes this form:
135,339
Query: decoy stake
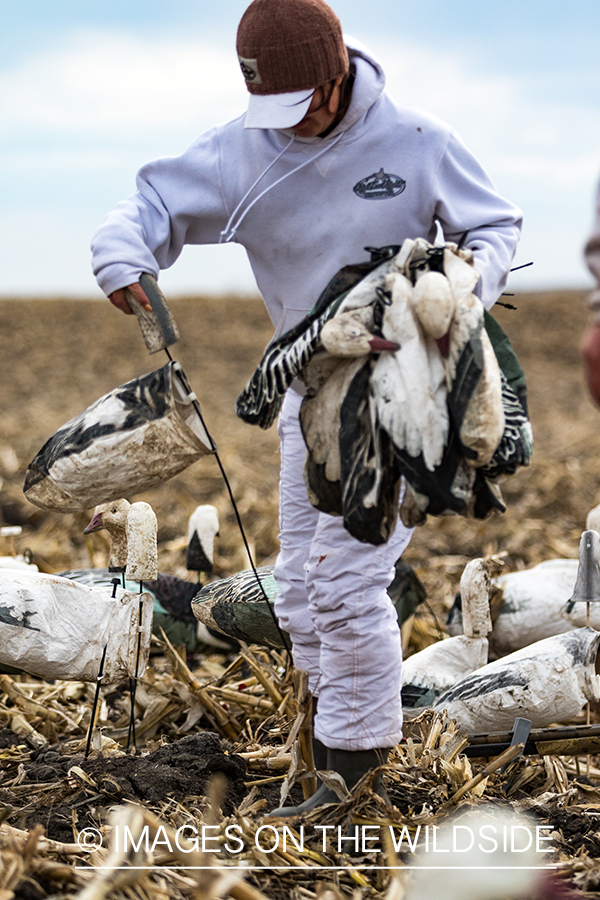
158,327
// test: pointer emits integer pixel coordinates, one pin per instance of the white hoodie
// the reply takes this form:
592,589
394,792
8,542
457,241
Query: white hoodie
387,172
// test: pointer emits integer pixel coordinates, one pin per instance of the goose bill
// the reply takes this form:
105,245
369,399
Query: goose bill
96,524
379,345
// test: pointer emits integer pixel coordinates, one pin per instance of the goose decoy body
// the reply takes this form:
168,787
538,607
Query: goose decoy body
135,437
534,603
203,527
236,606
547,682
56,627
172,596
438,411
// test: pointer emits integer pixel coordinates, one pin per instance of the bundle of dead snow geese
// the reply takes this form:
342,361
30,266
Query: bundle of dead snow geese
401,379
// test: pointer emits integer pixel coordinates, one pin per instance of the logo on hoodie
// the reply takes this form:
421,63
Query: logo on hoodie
380,186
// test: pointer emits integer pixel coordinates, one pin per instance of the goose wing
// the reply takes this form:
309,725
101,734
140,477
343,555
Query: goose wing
284,359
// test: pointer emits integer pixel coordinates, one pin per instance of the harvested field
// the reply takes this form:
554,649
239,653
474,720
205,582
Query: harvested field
58,357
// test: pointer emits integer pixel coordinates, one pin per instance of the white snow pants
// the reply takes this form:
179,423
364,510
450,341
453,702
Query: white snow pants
334,605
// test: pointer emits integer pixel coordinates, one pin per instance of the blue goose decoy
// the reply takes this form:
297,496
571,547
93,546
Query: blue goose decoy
236,606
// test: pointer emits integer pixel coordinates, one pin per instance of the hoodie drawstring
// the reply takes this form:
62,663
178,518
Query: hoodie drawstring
230,229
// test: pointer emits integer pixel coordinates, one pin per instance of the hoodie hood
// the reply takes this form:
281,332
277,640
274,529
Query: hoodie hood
369,84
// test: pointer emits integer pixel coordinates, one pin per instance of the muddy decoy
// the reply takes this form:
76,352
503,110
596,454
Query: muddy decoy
535,603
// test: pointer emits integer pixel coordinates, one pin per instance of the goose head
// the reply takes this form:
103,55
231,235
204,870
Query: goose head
203,526
112,517
133,532
347,335
434,306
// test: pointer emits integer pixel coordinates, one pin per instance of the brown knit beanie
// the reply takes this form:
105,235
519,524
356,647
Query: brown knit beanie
290,45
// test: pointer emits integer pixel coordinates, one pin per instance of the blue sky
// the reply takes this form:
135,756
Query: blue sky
92,89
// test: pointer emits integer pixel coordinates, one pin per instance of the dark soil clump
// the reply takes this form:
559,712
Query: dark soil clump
174,770
8,738
178,770
577,830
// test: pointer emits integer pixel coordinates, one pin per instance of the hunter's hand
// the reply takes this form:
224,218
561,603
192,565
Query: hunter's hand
117,298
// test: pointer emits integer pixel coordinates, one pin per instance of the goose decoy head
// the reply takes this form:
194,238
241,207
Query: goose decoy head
112,517
475,592
203,526
109,516
142,549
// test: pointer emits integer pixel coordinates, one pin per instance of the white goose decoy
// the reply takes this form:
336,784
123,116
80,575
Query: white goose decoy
441,665
172,596
54,627
535,602
133,531
203,527
547,682
135,437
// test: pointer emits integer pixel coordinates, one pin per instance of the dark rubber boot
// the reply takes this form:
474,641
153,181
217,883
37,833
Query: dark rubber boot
319,754
351,765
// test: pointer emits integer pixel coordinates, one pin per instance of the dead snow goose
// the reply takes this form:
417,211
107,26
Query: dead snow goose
354,286
337,433
438,418
347,335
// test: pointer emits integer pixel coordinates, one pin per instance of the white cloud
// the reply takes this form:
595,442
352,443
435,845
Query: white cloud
105,101
501,118
115,85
